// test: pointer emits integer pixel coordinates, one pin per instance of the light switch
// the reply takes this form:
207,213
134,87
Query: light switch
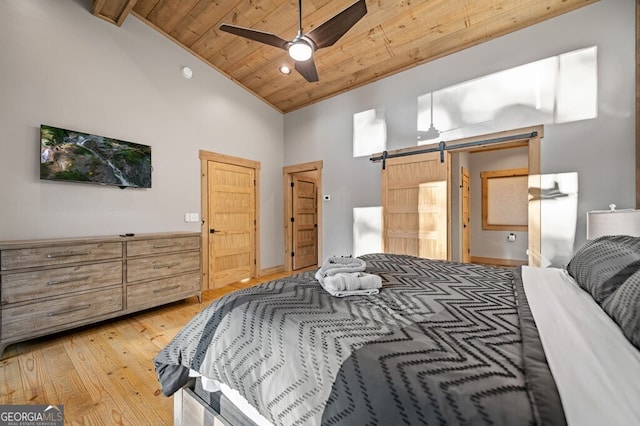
191,217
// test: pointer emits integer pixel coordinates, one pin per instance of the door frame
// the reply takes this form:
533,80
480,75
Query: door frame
287,178
466,224
205,157
534,181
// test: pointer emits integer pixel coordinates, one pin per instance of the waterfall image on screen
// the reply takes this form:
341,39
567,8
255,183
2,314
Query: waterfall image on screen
74,156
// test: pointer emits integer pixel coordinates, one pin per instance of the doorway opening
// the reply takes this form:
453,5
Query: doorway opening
489,206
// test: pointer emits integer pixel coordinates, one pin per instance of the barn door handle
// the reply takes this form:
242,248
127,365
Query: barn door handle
212,231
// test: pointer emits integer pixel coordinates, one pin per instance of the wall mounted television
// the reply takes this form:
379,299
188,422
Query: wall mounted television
69,155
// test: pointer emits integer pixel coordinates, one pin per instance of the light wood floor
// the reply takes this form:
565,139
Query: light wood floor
103,374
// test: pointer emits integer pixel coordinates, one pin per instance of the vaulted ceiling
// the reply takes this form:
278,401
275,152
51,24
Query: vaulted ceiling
393,36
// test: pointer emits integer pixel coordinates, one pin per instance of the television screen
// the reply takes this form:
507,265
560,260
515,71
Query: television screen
74,156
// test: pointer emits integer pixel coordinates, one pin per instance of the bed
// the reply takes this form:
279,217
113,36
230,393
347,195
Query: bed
442,343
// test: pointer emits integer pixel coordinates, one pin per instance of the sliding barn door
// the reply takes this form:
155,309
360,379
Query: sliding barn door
232,224
415,205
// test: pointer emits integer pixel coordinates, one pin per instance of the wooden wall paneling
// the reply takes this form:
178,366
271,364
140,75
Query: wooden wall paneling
389,39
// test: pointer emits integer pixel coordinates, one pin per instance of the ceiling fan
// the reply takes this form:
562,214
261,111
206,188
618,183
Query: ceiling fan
301,48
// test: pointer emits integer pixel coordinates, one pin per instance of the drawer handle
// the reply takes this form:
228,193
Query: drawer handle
68,311
168,266
69,280
159,246
162,290
67,254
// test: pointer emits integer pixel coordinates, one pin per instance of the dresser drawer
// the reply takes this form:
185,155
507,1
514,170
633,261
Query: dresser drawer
34,285
154,293
54,314
162,266
58,255
162,245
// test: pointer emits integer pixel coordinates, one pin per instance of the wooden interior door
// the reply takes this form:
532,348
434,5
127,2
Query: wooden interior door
232,224
305,224
465,215
415,205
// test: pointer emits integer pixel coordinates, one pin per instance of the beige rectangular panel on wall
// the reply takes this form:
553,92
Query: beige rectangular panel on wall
415,206
505,199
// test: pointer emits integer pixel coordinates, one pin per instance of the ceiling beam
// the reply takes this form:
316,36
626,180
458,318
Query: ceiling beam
113,11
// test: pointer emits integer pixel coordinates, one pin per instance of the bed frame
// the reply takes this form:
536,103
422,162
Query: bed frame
194,406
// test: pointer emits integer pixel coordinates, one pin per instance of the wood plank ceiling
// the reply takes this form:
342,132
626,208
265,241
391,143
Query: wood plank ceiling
392,37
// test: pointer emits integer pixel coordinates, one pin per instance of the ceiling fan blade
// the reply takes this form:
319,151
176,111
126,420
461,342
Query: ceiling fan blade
308,70
255,35
330,31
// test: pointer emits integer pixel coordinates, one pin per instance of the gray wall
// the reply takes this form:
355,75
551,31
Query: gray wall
64,67
601,150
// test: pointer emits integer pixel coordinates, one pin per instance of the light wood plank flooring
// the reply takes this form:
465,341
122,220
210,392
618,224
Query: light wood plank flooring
104,373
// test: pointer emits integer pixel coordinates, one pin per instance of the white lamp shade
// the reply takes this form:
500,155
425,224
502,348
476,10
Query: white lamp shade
300,51
613,222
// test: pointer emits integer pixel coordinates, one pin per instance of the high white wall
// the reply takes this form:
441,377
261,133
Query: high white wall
600,150
60,65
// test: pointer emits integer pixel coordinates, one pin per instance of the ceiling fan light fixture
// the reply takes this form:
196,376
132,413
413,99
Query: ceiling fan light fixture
300,50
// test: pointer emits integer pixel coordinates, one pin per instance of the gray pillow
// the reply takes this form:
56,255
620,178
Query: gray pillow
603,264
623,305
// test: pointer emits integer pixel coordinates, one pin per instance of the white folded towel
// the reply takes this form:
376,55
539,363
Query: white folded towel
344,276
356,293
337,265
351,284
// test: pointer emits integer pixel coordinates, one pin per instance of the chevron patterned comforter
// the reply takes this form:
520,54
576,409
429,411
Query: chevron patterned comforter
441,344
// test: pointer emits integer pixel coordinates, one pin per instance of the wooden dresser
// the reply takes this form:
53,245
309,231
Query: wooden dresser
48,286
